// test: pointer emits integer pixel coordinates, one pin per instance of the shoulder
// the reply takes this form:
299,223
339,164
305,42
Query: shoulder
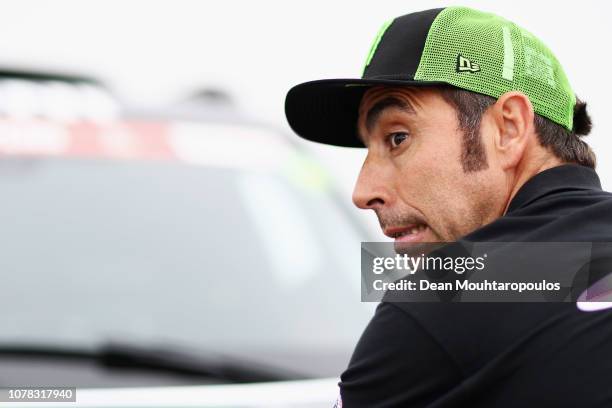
397,358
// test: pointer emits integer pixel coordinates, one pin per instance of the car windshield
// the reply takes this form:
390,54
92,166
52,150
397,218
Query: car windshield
204,257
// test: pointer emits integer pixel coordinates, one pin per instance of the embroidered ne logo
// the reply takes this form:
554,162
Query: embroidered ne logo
465,65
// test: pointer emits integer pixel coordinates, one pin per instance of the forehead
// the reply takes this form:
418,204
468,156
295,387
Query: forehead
426,105
413,100
376,100
413,96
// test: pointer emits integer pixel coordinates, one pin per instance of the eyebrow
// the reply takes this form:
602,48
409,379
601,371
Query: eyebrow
375,111
378,108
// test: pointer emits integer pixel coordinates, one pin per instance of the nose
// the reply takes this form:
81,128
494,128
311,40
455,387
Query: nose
372,191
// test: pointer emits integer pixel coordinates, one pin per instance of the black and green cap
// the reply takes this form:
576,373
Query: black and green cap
457,46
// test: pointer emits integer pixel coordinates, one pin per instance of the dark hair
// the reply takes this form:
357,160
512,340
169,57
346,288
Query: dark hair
564,144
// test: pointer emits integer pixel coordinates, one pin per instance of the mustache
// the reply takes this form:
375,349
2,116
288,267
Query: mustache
395,219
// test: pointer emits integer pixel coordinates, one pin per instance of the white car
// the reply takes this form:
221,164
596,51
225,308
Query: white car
168,261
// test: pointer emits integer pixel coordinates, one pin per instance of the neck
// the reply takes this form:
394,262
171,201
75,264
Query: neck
526,170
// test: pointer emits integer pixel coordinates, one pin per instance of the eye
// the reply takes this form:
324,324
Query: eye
396,138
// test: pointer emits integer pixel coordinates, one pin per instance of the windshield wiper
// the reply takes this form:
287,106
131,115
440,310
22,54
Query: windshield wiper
167,359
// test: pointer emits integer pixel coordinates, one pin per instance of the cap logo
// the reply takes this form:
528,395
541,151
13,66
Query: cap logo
465,65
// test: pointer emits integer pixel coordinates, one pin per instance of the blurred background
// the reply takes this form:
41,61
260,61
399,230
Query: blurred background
161,224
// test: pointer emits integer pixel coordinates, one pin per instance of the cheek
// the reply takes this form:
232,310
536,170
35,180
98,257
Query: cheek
431,171
433,182
431,167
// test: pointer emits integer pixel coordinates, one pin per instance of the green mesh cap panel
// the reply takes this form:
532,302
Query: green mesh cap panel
484,53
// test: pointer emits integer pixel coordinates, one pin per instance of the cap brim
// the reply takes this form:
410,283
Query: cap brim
326,111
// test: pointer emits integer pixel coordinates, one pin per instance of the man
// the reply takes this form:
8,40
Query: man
473,132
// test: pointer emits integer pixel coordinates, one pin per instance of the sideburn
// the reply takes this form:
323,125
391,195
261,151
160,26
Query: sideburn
469,108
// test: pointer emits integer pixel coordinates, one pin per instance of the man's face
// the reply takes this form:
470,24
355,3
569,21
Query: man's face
413,176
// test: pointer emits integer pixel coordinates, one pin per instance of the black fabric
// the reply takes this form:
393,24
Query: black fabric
497,354
399,51
325,111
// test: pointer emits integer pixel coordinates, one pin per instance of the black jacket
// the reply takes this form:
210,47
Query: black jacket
497,354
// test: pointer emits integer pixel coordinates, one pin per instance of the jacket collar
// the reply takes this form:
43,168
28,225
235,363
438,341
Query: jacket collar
561,178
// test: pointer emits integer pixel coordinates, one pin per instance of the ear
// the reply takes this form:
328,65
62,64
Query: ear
513,115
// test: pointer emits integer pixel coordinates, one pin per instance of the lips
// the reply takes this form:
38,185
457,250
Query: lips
409,233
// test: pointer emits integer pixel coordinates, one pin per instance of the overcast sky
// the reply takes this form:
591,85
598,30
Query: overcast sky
153,52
